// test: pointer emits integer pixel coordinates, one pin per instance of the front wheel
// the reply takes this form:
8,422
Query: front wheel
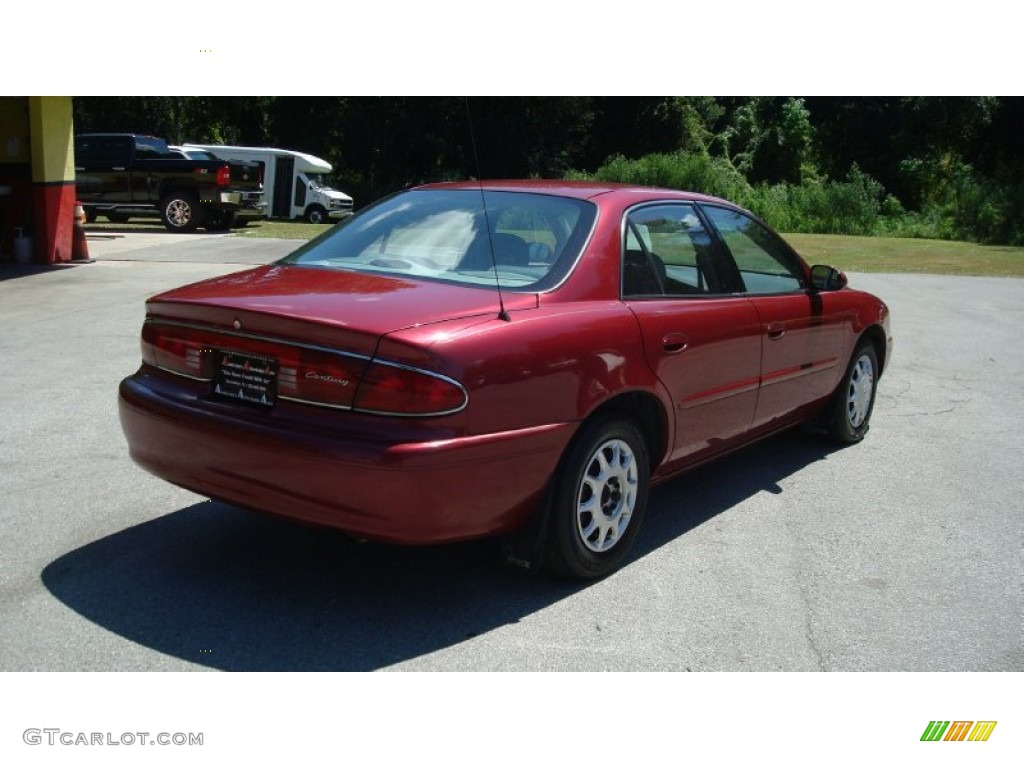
599,499
316,214
180,212
855,398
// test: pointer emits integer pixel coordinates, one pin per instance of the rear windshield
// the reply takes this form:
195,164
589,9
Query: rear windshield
525,241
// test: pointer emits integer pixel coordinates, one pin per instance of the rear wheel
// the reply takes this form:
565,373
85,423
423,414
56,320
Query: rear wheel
855,398
219,221
90,215
180,212
118,218
599,499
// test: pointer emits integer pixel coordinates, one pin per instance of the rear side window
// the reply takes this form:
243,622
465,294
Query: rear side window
102,150
667,253
764,263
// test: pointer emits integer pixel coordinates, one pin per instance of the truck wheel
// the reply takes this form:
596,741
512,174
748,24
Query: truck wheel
219,221
180,212
316,214
90,215
117,218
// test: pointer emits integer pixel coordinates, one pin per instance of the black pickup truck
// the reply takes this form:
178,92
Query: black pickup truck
125,174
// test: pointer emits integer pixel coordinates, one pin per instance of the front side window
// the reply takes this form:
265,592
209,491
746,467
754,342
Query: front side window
764,264
521,240
667,253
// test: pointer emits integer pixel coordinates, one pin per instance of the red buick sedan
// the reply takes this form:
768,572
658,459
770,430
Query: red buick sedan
520,359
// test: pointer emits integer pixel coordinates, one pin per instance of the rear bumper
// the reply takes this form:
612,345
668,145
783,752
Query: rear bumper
245,204
368,485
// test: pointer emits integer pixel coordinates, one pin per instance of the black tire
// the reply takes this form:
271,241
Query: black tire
219,221
855,398
118,218
316,214
90,215
606,466
180,212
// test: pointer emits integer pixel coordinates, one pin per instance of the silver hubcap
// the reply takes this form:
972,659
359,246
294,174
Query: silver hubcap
858,398
607,496
179,212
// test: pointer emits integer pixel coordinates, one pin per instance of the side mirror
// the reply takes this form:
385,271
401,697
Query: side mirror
826,278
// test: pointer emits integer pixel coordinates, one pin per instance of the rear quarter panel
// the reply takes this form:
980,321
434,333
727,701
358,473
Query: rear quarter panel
551,365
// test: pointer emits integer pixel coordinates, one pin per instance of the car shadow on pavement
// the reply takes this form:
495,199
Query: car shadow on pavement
692,499
10,271
235,590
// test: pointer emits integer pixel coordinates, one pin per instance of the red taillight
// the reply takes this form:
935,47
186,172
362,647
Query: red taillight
391,389
306,374
223,176
313,376
317,377
181,350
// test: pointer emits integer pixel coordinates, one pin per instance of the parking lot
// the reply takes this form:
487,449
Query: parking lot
900,553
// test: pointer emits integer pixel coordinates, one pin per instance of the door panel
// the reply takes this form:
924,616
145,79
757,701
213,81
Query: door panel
284,169
801,340
707,353
101,168
800,353
704,345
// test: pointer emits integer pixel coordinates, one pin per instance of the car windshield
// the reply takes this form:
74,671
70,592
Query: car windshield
318,180
531,243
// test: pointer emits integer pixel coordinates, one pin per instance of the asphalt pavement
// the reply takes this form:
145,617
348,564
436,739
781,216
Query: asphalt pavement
900,553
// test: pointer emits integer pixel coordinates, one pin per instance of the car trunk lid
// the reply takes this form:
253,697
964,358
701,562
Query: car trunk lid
340,309
309,334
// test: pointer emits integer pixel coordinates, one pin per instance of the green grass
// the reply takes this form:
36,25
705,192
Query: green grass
137,224
897,254
289,230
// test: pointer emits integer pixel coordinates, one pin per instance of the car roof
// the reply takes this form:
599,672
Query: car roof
583,190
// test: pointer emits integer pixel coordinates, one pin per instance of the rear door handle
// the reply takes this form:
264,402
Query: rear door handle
675,342
776,330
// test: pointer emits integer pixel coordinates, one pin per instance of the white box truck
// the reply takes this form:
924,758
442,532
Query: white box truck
294,183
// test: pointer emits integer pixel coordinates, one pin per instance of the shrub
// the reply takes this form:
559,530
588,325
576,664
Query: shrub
691,171
967,207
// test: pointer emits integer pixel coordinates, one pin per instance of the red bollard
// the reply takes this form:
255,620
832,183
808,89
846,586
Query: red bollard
79,246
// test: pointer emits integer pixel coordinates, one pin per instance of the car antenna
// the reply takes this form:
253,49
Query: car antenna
502,314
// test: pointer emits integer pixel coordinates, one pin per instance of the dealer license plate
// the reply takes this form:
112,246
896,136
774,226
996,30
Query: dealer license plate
245,377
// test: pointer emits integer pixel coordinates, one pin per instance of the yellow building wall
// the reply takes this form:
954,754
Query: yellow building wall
53,138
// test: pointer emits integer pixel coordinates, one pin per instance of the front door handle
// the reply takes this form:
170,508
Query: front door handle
776,330
675,342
